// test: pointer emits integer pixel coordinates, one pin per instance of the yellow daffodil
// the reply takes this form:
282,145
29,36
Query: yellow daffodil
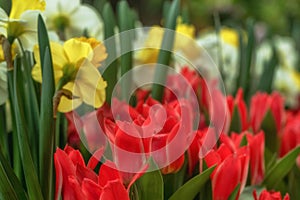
21,22
152,44
75,71
70,19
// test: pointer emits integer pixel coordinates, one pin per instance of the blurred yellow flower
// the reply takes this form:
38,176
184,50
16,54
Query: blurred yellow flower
21,22
74,71
230,36
152,44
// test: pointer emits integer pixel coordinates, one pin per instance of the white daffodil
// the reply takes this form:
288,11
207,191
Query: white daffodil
226,46
287,78
287,81
22,22
3,83
69,18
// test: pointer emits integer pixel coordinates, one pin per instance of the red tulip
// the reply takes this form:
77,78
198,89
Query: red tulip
267,195
70,172
203,142
261,103
75,180
231,170
90,125
256,145
151,129
290,137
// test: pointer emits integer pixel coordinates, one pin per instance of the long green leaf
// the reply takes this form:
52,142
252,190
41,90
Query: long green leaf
124,19
190,189
31,178
111,70
43,39
275,175
3,132
46,123
30,106
165,53
10,186
245,72
269,127
266,79
150,186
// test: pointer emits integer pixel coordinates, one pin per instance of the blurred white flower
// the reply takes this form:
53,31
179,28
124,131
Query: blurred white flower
227,46
287,81
287,78
69,18
3,83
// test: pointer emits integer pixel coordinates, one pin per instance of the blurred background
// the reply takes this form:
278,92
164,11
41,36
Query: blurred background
272,17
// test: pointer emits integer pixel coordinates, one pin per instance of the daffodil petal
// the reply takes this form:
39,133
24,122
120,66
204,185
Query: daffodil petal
90,85
20,6
29,37
3,15
76,50
67,105
36,73
66,6
58,55
99,55
3,83
86,18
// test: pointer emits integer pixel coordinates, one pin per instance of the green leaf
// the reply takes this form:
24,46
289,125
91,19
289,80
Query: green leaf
125,24
6,6
269,127
31,178
150,186
190,189
46,123
270,159
235,192
165,52
246,59
10,186
294,183
111,65
266,79
236,124
173,181
3,133
16,153
30,105
43,39
275,175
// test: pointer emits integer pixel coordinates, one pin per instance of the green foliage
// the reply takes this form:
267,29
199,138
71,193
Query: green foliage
191,188
282,167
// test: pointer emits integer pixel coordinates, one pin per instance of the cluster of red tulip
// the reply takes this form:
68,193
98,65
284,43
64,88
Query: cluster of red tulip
165,132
